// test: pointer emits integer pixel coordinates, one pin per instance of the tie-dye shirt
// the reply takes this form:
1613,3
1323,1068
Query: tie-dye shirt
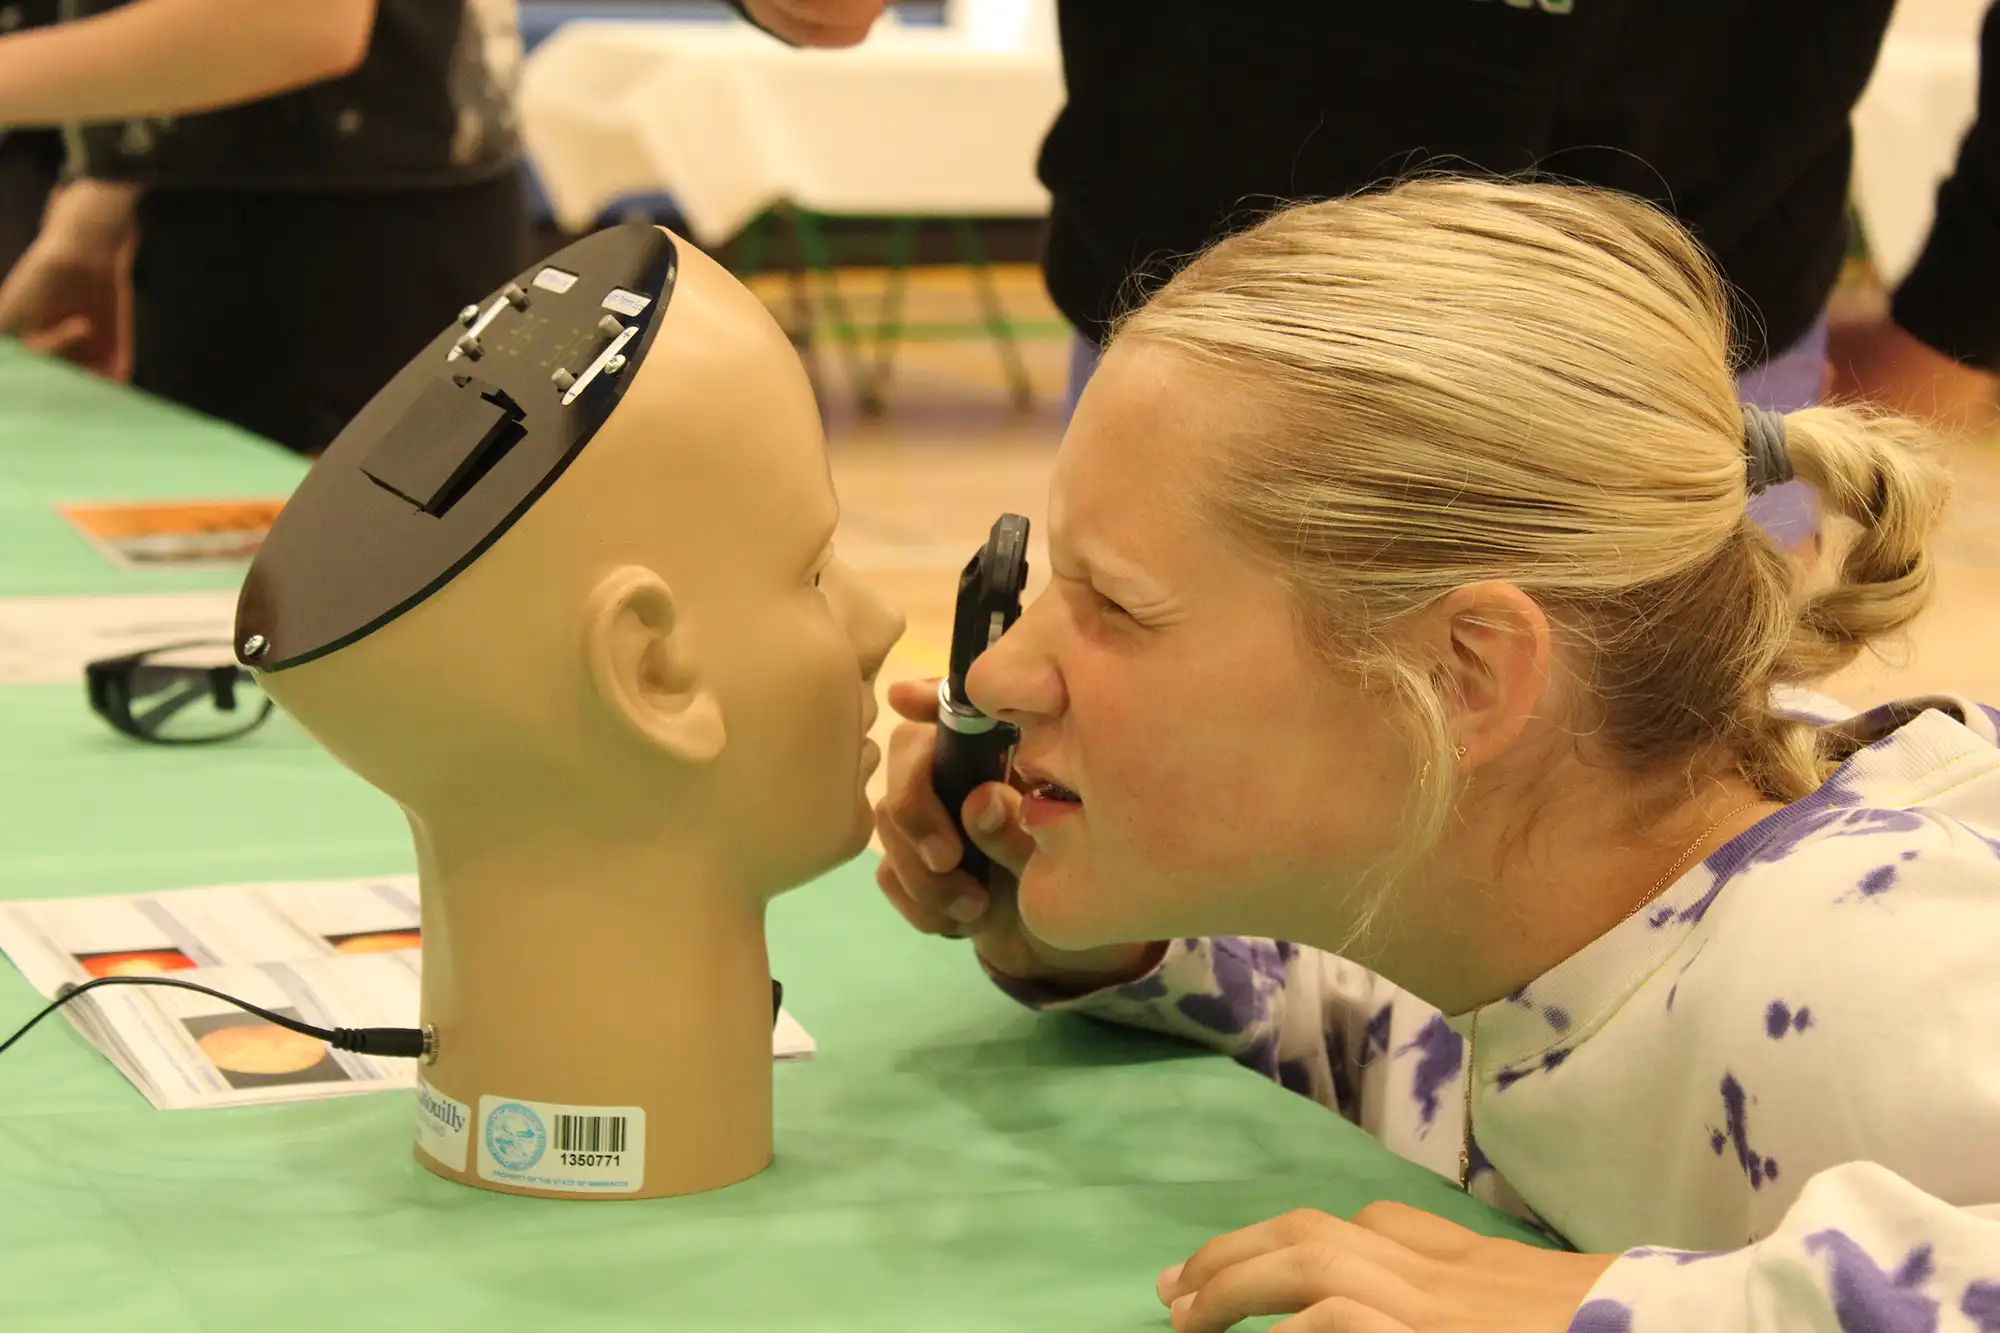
1775,1092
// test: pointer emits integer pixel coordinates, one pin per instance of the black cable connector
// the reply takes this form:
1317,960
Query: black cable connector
394,1043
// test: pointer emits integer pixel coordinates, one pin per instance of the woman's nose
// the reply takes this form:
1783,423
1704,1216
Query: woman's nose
1016,680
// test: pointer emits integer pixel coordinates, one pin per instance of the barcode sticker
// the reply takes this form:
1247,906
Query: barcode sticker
575,1149
443,1126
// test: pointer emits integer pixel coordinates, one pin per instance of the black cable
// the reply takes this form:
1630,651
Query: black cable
395,1043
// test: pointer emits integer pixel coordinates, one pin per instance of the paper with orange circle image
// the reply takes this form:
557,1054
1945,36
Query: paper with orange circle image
251,1053
144,534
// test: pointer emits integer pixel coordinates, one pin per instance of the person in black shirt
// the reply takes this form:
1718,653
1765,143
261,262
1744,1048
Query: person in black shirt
1187,119
305,194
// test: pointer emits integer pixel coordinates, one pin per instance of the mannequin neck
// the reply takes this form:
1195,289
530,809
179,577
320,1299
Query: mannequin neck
573,969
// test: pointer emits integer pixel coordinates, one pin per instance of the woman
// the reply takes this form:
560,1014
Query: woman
1406,606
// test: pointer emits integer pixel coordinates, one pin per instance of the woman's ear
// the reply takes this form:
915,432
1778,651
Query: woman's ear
1495,650
644,668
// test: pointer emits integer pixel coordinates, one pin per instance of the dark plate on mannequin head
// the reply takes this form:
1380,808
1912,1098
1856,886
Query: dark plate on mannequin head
456,448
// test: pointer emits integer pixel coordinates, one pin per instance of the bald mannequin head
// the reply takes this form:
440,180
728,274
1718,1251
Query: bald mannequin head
663,637
569,597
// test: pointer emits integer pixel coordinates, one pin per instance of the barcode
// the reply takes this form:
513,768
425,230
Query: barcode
590,1133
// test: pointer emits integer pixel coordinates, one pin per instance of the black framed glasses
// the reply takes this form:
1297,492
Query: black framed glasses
178,694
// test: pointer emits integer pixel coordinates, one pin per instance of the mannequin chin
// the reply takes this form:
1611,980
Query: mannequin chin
618,731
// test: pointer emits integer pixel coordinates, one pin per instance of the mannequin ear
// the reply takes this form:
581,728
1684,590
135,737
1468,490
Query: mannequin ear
644,668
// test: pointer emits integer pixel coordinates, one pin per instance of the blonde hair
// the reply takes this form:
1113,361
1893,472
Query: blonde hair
1531,383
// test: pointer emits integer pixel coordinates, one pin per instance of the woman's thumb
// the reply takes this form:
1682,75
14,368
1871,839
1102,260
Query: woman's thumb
993,822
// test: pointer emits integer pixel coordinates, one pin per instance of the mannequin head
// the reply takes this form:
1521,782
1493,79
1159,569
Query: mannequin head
662,648
566,591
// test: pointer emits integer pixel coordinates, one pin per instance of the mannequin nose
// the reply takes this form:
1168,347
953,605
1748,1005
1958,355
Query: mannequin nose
874,623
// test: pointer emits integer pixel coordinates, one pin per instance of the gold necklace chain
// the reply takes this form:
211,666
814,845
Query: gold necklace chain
1472,1036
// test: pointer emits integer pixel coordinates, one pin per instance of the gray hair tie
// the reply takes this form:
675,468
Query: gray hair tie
1766,461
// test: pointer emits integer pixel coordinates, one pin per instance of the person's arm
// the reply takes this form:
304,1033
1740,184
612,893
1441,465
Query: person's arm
170,57
1296,1015
1860,1248
1936,351
1946,300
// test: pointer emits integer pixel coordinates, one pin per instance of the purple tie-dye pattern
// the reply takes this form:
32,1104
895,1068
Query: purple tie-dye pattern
1992,720
1475,1160
1228,1013
1344,1100
1550,1059
1878,881
1556,1017
1736,1121
1780,1020
1518,996
1241,1001
1982,1302
1145,989
1267,959
1286,951
1827,811
1507,1078
1296,1075
1378,1034
1675,989
1602,1316
1261,1056
1442,1055
1868,1300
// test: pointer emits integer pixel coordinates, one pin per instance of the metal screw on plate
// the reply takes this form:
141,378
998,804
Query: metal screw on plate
255,645
468,315
610,326
515,296
430,1044
614,365
562,379
469,347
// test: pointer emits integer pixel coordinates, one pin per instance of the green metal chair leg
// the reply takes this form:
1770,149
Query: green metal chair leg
819,257
974,252
889,323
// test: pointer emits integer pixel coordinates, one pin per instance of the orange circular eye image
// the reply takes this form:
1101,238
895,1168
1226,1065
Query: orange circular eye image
261,1048
381,941
134,962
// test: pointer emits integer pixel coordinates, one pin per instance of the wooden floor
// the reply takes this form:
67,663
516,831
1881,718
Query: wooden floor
921,484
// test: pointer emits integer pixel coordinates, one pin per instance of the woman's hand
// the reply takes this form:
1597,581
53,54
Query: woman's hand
1393,1269
921,851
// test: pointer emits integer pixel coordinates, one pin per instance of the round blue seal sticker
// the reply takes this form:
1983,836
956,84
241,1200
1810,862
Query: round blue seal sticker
515,1136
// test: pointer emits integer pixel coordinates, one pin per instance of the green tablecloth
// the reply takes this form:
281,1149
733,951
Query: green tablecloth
947,1161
